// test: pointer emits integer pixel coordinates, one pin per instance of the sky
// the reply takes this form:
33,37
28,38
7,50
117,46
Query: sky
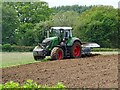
53,3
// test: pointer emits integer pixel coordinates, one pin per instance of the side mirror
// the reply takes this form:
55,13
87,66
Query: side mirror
39,44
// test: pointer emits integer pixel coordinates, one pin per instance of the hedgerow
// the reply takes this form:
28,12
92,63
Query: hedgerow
104,49
15,48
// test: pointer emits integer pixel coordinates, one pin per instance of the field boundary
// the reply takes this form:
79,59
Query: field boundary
106,52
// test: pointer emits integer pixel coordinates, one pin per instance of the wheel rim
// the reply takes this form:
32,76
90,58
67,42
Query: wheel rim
76,51
59,55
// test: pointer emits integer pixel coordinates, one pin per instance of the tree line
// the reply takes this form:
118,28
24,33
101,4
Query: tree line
23,23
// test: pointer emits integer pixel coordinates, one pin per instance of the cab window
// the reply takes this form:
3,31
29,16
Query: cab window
66,34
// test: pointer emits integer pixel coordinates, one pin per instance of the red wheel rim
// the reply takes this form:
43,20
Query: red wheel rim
59,55
76,51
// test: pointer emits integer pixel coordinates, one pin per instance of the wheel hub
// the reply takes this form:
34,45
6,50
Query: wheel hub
76,51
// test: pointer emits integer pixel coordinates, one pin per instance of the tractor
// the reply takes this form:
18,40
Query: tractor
59,44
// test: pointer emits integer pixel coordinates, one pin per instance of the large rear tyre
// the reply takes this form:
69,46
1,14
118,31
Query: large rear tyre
76,50
57,53
37,58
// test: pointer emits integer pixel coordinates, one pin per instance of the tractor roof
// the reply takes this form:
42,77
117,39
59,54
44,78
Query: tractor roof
65,28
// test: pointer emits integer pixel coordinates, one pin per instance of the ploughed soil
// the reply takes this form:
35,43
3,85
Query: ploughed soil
96,71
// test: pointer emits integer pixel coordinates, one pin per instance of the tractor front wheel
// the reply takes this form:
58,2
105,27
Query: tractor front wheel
76,50
57,53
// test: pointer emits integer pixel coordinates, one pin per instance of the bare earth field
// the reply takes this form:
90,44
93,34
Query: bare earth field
87,72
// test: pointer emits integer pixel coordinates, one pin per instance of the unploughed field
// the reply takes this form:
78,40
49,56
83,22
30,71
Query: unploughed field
86,72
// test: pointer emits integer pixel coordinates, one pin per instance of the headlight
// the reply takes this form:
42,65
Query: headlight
37,47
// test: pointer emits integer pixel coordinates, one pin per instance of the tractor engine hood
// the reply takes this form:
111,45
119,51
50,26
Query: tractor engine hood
49,39
46,42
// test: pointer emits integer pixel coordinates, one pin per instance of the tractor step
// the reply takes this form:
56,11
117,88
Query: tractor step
68,52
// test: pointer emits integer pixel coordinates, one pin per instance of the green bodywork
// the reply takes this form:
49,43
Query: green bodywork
71,41
55,41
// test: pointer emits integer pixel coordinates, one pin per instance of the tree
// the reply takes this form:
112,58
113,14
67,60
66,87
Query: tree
99,24
65,19
30,14
9,23
75,8
39,31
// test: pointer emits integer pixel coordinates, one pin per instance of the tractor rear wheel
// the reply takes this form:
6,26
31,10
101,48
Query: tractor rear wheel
57,53
37,58
76,50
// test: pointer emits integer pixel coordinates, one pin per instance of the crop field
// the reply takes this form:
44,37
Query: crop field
86,72
16,58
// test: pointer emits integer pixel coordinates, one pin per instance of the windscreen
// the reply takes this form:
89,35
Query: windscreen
54,32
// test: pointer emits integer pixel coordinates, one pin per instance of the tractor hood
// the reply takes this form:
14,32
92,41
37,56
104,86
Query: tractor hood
49,39
47,42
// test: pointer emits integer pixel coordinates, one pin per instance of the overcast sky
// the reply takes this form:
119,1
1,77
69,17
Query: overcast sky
53,3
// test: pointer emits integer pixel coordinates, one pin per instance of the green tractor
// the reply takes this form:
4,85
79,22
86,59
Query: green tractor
60,44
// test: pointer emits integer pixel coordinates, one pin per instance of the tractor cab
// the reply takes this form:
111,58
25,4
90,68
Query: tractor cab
63,33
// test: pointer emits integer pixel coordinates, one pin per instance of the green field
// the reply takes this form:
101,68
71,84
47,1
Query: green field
16,58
